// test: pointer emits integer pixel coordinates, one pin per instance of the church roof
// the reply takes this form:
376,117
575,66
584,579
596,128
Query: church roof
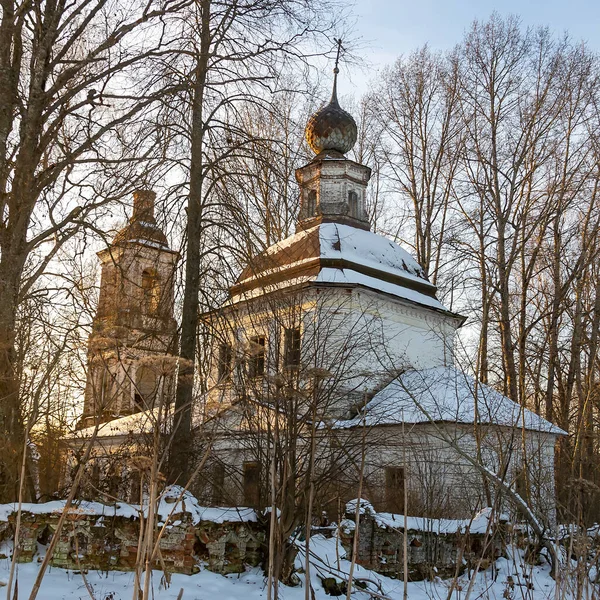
142,227
445,394
142,232
134,424
337,254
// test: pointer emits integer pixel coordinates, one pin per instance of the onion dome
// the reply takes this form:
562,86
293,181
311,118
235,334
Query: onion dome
331,127
142,227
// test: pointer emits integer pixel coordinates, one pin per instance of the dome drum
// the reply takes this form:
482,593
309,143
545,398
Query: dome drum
333,191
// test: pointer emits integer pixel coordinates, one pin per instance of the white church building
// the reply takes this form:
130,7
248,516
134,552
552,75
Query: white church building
332,364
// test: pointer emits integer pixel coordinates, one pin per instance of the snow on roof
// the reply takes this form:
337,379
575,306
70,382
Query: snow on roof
348,276
168,508
150,243
370,250
480,523
287,242
359,258
338,241
141,422
445,394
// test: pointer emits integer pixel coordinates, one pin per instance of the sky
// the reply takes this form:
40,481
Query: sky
389,28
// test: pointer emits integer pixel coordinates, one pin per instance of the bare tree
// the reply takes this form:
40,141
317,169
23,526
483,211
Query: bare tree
506,126
421,134
230,63
64,108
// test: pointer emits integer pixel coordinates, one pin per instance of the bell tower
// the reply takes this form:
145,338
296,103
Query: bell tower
133,341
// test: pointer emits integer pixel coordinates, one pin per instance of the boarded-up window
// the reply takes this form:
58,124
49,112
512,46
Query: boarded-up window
113,482
145,388
394,489
522,484
256,363
95,476
291,355
135,491
251,484
218,484
225,358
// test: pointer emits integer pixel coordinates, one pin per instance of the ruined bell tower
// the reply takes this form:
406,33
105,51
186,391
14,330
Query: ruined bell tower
133,341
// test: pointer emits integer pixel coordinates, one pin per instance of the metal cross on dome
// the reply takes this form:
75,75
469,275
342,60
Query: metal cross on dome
336,69
337,58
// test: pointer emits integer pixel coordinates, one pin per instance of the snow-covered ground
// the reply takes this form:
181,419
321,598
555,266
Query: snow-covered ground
507,578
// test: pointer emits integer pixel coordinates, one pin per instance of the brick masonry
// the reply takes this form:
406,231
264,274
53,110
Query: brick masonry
429,553
104,541
111,542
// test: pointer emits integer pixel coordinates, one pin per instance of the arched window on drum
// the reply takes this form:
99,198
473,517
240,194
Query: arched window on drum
311,203
353,204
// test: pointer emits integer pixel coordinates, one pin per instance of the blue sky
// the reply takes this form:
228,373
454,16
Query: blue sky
389,28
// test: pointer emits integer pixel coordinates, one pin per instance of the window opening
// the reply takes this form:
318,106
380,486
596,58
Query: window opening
256,364
522,484
151,292
218,484
394,489
135,489
109,400
291,352
311,208
251,484
353,204
225,359
113,483
145,388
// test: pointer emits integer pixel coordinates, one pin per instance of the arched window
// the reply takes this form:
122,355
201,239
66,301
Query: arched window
311,204
106,391
151,291
353,204
113,481
145,388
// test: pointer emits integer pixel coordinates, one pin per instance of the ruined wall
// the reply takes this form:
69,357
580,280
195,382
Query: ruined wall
227,540
435,547
93,538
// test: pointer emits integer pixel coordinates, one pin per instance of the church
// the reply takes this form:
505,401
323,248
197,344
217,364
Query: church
332,371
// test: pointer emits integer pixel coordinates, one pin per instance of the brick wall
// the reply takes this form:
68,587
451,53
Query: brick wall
92,541
436,548
106,538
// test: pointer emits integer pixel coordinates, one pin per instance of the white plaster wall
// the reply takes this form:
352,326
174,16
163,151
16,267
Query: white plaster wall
362,337
443,483
376,336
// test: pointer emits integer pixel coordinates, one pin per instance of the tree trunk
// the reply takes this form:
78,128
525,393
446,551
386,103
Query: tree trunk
181,463
11,421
